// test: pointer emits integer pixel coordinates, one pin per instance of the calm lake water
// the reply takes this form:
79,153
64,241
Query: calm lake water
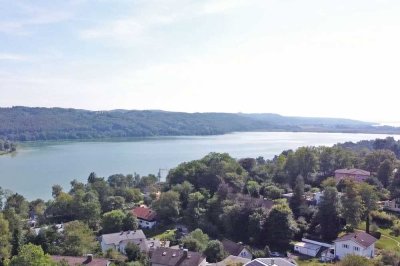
37,166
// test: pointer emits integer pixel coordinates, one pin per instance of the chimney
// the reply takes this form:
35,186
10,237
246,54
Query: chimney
185,253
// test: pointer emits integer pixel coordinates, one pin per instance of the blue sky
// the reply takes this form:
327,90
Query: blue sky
310,58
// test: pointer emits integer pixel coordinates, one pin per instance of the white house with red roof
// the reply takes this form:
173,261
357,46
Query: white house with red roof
358,243
146,216
357,175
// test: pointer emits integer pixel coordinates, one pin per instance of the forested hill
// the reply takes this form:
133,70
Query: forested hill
27,123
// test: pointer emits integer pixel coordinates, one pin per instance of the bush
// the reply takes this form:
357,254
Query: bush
258,253
373,227
390,258
396,228
383,219
348,228
272,192
355,260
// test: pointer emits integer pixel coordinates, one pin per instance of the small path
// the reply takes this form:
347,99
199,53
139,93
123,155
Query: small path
398,243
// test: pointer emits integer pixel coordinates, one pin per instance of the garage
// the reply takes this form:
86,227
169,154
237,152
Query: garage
307,248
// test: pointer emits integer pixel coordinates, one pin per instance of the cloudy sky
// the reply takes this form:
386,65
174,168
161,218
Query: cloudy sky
335,58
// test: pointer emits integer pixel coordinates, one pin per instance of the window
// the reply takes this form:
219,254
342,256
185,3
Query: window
356,249
345,246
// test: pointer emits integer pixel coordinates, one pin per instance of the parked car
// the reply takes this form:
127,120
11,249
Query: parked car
276,254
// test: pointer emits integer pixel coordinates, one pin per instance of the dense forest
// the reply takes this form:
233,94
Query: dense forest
219,197
388,143
25,124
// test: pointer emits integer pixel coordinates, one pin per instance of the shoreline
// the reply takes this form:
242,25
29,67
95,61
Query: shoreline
122,139
6,152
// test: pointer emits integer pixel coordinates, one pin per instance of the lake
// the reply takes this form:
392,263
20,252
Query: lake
38,165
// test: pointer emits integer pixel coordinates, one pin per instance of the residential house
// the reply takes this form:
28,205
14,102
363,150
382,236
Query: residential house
358,243
357,175
118,241
58,227
392,205
236,249
176,257
146,216
231,260
306,248
88,260
271,262
153,244
310,247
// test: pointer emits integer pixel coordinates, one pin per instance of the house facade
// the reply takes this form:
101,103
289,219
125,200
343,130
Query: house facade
357,175
118,241
307,248
392,205
145,216
236,249
310,247
359,243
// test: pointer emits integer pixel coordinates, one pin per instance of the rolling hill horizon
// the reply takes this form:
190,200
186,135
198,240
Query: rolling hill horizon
21,123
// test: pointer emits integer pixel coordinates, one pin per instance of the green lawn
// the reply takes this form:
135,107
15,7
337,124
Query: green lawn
387,240
167,234
160,232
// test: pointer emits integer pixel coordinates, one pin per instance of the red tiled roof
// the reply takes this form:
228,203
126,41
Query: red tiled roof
352,171
78,261
361,238
144,213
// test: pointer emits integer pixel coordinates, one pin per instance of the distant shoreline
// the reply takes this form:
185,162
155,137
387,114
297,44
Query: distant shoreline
122,139
6,152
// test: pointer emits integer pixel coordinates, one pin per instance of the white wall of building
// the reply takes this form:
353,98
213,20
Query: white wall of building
344,248
245,254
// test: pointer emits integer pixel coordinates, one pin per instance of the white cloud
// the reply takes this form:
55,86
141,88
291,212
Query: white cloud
120,30
154,13
222,6
13,57
26,15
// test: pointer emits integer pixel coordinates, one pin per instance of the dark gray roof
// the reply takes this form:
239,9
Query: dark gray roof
116,238
176,257
361,238
271,262
231,247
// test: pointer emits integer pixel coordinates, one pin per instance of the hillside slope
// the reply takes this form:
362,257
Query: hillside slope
27,123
